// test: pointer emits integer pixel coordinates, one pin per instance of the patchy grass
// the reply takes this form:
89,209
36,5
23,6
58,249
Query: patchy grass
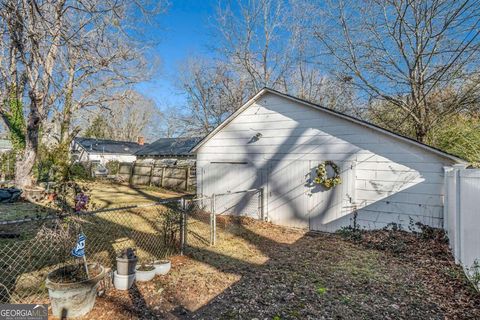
263,271
110,195
22,210
103,195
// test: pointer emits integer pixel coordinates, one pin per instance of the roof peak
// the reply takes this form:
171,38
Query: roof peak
330,111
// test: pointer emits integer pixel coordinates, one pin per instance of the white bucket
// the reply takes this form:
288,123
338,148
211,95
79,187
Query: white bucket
122,282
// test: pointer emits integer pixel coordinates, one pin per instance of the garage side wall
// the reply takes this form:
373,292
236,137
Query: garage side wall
389,180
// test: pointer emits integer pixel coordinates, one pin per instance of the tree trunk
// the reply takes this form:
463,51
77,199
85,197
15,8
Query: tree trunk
24,167
68,107
420,133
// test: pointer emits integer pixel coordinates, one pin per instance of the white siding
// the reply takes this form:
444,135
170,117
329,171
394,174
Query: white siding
104,158
391,180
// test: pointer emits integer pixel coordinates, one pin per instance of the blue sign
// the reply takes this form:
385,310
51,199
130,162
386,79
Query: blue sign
79,250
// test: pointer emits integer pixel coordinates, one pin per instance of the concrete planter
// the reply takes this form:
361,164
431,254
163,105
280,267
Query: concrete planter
145,275
33,194
73,299
122,282
162,267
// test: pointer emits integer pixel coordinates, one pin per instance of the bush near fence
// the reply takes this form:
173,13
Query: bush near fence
159,174
36,248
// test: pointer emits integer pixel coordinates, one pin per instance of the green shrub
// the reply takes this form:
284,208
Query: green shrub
112,166
78,171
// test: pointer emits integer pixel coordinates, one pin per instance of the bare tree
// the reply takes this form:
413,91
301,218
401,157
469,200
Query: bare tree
309,83
257,42
125,118
261,44
99,66
49,49
405,53
172,124
31,39
213,92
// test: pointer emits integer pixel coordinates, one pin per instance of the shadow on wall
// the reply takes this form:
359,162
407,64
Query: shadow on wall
388,181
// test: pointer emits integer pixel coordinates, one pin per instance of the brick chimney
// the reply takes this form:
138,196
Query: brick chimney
141,141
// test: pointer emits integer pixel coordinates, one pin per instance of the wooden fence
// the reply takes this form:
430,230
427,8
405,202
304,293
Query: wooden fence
158,174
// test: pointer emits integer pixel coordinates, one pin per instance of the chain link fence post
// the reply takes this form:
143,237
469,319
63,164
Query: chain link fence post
214,222
183,224
262,209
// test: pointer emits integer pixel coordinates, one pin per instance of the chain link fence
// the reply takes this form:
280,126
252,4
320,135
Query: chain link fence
203,214
199,222
32,247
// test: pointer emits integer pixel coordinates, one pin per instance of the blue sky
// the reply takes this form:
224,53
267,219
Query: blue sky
184,30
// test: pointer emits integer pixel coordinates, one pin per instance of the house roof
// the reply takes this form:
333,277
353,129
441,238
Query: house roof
169,147
92,145
330,111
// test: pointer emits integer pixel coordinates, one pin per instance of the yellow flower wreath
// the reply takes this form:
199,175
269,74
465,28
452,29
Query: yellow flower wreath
322,177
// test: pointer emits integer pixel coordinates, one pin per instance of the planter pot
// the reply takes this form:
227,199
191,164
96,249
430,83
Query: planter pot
33,194
142,275
122,282
73,299
162,267
126,266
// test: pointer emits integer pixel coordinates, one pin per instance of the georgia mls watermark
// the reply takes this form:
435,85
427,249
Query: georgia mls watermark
23,311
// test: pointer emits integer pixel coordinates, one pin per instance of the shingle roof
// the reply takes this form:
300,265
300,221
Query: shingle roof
108,146
169,147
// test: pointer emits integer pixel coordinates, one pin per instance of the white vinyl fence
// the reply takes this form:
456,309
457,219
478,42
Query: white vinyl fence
462,213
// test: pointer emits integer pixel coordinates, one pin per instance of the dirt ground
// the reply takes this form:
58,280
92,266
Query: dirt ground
261,271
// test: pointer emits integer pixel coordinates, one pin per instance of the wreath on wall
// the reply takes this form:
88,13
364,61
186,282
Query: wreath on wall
322,176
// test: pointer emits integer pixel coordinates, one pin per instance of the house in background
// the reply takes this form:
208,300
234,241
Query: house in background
169,151
275,142
101,151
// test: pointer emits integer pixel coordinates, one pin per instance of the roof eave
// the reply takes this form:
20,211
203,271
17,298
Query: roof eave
332,112
229,119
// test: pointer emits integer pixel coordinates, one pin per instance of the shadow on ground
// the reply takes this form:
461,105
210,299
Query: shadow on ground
258,270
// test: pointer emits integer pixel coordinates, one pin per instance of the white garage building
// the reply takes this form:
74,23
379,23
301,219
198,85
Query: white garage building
276,141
